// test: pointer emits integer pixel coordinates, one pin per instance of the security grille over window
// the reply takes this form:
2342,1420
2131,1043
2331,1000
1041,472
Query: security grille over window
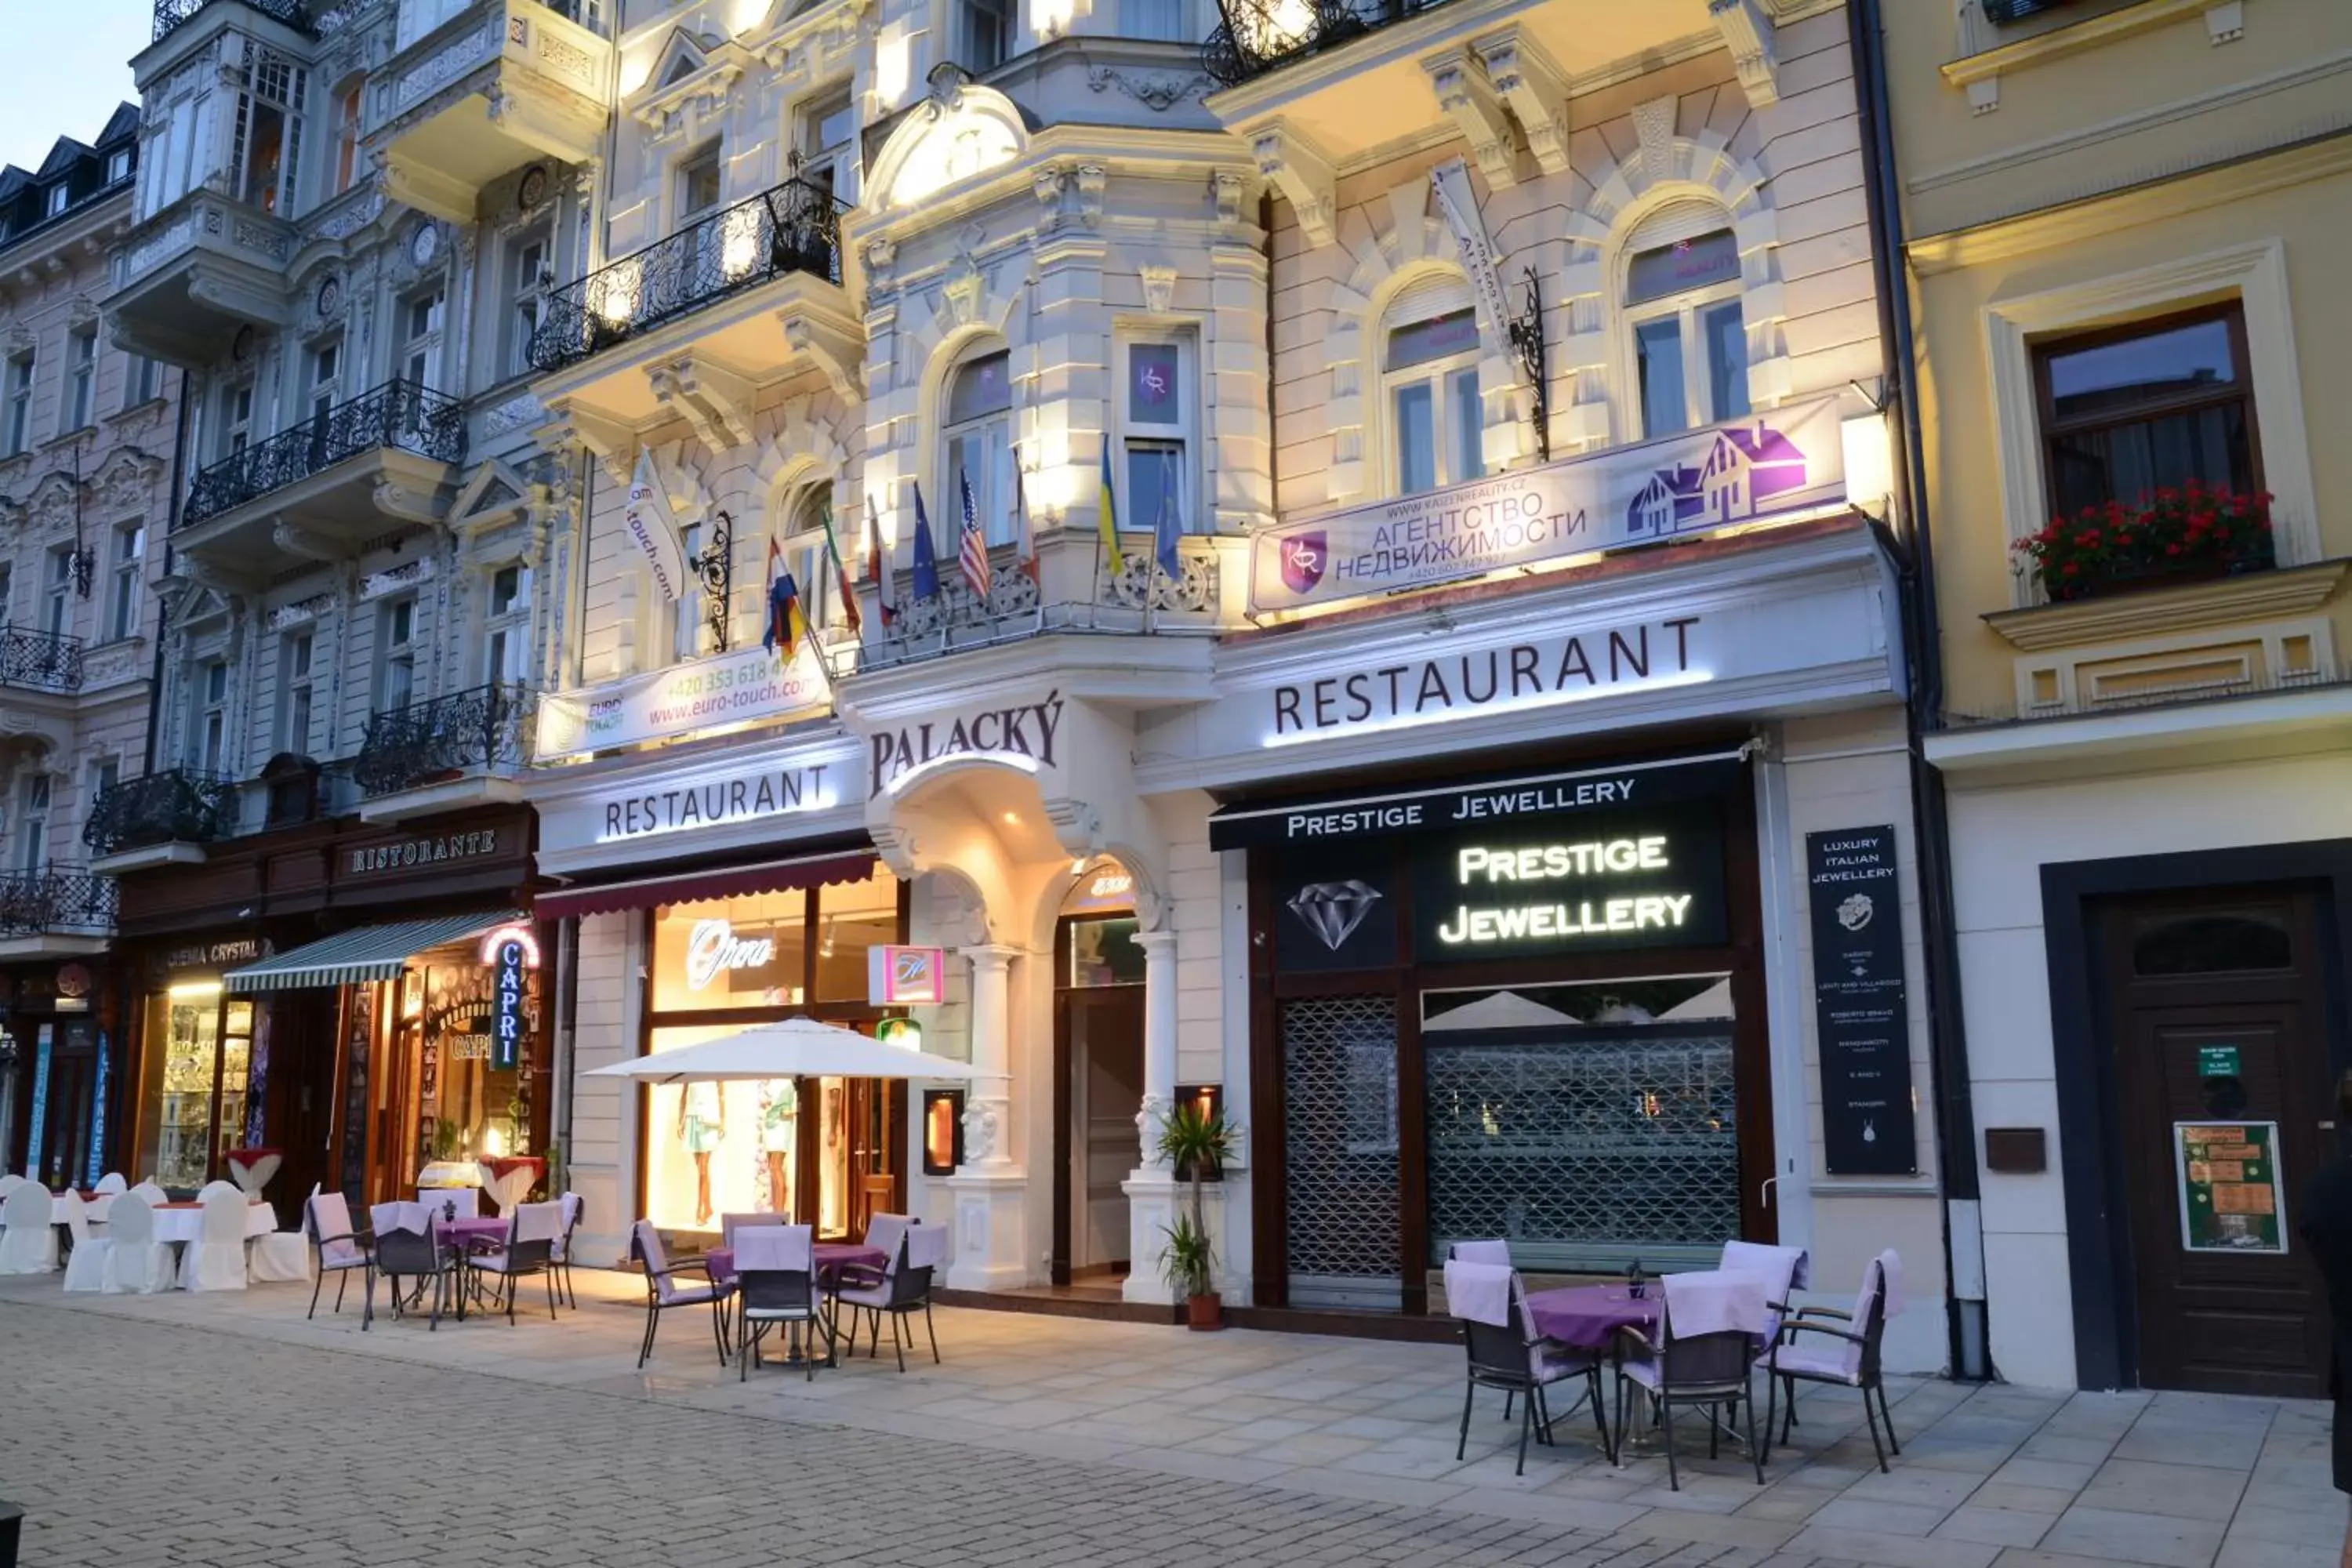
1339,1153
1588,1146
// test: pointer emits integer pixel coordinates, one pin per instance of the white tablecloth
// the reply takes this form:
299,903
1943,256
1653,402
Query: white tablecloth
92,1209
177,1225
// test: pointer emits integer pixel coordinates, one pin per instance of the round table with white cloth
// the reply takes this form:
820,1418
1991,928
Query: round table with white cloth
178,1223
92,1209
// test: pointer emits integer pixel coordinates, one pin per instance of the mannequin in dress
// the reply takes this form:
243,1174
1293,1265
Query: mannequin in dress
777,1114
701,1123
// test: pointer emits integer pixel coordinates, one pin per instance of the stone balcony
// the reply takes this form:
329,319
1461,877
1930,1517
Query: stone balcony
190,277
503,84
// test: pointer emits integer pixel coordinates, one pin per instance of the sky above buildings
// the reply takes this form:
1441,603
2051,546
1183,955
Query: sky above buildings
83,49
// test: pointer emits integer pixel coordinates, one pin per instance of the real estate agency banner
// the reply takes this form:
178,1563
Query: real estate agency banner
751,683
1679,487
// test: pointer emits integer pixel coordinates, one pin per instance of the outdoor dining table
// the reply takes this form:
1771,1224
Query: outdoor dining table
832,1257
93,1207
1589,1316
180,1223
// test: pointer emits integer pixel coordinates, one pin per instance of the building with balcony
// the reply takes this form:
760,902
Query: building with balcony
1227,498
346,230
87,434
2121,222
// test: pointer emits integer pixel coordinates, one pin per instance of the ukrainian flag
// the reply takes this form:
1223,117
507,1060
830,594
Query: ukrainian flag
1109,522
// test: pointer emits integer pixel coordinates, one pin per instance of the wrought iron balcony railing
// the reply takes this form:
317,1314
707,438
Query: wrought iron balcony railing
44,661
179,806
795,227
399,414
170,13
64,898
485,729
1255,36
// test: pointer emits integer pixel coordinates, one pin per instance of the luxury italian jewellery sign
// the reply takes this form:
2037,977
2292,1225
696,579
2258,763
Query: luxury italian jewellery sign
1859,1003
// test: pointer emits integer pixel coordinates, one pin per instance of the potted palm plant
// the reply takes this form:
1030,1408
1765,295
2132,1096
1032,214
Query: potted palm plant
1198,1144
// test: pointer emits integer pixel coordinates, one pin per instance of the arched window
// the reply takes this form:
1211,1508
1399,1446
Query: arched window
1428,387
977,426
1682,307
804,554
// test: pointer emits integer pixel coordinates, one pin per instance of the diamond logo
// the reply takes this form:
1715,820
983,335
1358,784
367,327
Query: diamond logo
1333,911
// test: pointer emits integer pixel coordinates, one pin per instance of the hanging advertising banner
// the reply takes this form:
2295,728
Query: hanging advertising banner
1450,180
1677,487
509,988
1859,1007
2229,1182
904,977
647,520
749,684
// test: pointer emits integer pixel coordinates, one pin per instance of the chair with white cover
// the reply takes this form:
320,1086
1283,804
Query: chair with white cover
29,1243
152,1193
1784,1270
775,1286
529,1249
9,1183
663,1290
278,1257
136,1263
110,1184
215,1260
86,1264
1489,1301
902,1289
336,1248
1481,1252
1850,1359
1710,1326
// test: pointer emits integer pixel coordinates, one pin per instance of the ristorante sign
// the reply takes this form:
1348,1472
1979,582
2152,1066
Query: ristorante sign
1021,735
1678,487
751,684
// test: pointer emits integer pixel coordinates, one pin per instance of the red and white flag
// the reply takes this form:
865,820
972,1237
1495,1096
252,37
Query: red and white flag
971,549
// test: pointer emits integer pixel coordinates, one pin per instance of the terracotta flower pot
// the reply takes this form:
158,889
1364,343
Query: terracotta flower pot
1204,1312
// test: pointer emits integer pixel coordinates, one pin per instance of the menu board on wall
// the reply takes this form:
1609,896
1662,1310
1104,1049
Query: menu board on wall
1859,1003
2229,1181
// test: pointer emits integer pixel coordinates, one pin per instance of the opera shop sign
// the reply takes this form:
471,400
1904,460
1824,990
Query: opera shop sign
1020,736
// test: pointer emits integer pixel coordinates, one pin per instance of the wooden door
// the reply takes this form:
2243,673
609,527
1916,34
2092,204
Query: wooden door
1097,1092
298,1094
2216,1003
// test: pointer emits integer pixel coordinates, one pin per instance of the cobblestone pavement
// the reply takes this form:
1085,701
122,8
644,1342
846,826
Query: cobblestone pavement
226,1431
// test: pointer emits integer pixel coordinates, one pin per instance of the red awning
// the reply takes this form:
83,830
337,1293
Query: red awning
774,877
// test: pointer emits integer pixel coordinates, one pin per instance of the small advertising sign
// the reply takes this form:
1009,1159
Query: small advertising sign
904,977
2229,1181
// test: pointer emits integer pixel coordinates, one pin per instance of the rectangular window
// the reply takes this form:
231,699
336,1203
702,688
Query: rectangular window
1706,261
698,186
33,837
1658,350
326,377
824,132
509,620
1159,19
118,165
979,452
56,609
61,195
1159,412
104,773
82,377
294,692
20,404
130,581
1436,422
1690,348
212,716
237,419
983,33
420,348
347,137
527,285
396,655
269,150
2131,411
142,381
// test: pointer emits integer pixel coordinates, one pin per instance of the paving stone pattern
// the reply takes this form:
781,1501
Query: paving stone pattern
1040,1442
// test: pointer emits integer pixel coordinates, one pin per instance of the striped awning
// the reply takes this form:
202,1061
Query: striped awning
371,952
694,887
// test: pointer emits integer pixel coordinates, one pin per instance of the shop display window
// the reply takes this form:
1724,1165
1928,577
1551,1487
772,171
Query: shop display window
465,1106
193,1093
852,917
733,952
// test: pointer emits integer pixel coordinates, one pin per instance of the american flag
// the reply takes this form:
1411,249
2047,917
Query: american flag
971,549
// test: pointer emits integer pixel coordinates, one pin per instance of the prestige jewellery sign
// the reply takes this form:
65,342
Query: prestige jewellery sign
1679,487
749,684
1626,879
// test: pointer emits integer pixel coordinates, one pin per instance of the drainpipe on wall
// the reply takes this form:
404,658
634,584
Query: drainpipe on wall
1947,1036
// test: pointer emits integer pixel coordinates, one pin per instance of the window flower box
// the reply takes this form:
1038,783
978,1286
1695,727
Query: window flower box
2174,536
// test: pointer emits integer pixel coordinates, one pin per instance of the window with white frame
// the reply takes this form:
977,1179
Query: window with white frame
418,17
1682,307
347,136
210,717
806,558
268,129
118,165
237,419
82,377
688,635
529,276
33,824
104,775
1161,19
395,654
699,184
507,619
129,561
326,379
142,381
977,425
824,138
983,33
20,404
295,692
60,196
1428,387
1158,410
421,322
57,607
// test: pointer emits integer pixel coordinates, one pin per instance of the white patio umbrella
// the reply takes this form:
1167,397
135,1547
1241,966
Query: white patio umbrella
797,1047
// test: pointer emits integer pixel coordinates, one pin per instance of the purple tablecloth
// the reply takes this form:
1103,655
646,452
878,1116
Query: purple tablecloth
465,1234
832,1257
1586,1316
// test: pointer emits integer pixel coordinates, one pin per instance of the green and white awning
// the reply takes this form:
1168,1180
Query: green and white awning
371,952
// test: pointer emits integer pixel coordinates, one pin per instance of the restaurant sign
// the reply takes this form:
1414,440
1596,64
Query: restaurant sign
746,685
2229,1182
427,849
1020,736
1679,487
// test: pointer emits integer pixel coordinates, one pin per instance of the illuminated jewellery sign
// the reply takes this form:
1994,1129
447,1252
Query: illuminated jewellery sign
509,950
1021,736
1678,487
1505,802
749,684
904,977
712,948
761,791
1542,673
1623,881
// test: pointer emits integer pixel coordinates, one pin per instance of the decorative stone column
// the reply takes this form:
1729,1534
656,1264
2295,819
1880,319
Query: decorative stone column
989,1187
1152,1192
